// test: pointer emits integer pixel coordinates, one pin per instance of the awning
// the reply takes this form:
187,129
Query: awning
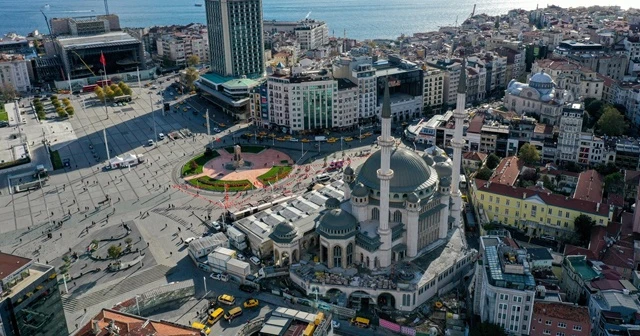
399,248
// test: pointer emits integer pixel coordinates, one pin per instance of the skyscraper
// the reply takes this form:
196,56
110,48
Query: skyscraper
235,37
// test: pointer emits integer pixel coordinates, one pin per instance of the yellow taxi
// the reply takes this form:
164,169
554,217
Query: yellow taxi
250,303
347,139
221,125
227,299
281,139
305,140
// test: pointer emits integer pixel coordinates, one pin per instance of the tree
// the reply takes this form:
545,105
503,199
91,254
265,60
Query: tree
614,183
8,91
193,60
114,251
583,225
66,101
546,181
593,106
191,76
611,122
488,329
127,91
109,94
572,167
492,161
484,173
529,154
60,111
70,111
128,240
118,92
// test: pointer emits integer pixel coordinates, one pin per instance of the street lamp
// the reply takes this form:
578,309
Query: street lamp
153,116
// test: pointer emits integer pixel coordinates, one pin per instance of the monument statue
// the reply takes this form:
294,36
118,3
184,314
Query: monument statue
237,157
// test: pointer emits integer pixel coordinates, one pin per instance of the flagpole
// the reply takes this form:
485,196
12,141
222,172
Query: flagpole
104,71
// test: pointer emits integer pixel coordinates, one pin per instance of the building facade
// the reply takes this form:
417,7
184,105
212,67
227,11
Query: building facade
560,319
14,71
539,97
433,89
311,34
31,303
235,37
569,136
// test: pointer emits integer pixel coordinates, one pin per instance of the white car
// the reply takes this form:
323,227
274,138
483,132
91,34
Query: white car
335,324
216,276
293,140
241,257
255,260
547,237
161,136
217,130
217,226
189,240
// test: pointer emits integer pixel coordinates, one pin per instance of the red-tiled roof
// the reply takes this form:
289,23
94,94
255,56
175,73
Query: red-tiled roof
604,284
548,198
589,186
562,311
597,242
475,124
475,156
507,171
577,250
631,176
10,263
132,325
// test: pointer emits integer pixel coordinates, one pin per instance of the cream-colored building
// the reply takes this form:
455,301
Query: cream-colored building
433,87
14,71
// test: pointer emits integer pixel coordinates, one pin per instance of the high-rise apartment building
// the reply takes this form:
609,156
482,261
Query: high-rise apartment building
311,34
30,303
360,71
569,136
235,37
14,71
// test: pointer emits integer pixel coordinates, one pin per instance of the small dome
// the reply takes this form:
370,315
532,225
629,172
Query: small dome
444,169
280,65
348,171
332,203
440,158
337,224
445,182
428,159
360,191
413,198
541,78
283,233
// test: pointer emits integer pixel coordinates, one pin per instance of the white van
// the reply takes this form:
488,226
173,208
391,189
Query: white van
189,240
161,136
322,178
150,143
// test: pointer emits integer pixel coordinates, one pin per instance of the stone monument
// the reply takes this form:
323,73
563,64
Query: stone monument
238,162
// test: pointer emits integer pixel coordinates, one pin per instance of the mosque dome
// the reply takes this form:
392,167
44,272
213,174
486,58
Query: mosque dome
360,191
337,224
283,233
410,171
413,198
332,203
444,169
348,171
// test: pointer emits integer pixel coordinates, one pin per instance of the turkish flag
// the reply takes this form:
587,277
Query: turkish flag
102,59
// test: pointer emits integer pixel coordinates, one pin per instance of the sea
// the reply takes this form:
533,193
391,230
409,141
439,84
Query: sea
359,19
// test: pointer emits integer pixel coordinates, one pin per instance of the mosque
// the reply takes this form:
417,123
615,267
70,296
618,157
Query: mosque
540,97
399,207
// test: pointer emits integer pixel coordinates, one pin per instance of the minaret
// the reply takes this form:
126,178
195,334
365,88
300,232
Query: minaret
385,174
458,143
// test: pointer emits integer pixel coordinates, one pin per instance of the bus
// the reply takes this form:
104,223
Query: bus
308,331
120,99
89,88
104,82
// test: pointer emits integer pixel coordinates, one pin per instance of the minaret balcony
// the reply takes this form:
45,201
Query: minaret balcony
386,176
386,143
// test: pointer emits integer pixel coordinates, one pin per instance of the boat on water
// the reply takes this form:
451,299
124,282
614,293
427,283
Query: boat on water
198,4
46,6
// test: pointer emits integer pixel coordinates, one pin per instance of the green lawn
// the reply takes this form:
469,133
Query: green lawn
275,174
246,149
56,161
190,169
208,183
3,114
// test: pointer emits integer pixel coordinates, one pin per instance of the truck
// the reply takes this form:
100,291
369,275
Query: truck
321,138
127,160
237,239
41,173
238,268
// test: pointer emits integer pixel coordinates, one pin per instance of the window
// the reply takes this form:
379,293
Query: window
577,327
562,325
490,198
497,200
547,322
559,334
546,332
482,197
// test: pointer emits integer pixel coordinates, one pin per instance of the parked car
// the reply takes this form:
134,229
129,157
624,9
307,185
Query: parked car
335,324
215,276
217,130
161,136
250,303
255,260
217,226
189,240
247,288
547,237
241,257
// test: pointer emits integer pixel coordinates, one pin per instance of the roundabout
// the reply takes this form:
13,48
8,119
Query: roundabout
237,168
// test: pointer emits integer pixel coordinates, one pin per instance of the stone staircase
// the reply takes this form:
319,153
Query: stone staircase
72,304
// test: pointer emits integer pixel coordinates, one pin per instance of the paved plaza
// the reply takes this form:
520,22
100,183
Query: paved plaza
48,223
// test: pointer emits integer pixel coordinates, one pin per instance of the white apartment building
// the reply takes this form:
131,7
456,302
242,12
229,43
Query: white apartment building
570,132
178,48
451,70
311,100
632,46
505,288
14,71
311,34
433,87
628,95
360,71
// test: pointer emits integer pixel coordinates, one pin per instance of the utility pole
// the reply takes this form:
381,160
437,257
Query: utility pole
153,116
106,145
206,115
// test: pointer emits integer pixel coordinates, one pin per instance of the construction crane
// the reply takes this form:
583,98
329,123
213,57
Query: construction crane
85,63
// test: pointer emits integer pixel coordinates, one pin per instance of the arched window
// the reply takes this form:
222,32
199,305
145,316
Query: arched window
349,254
397,216
337,256
375,214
